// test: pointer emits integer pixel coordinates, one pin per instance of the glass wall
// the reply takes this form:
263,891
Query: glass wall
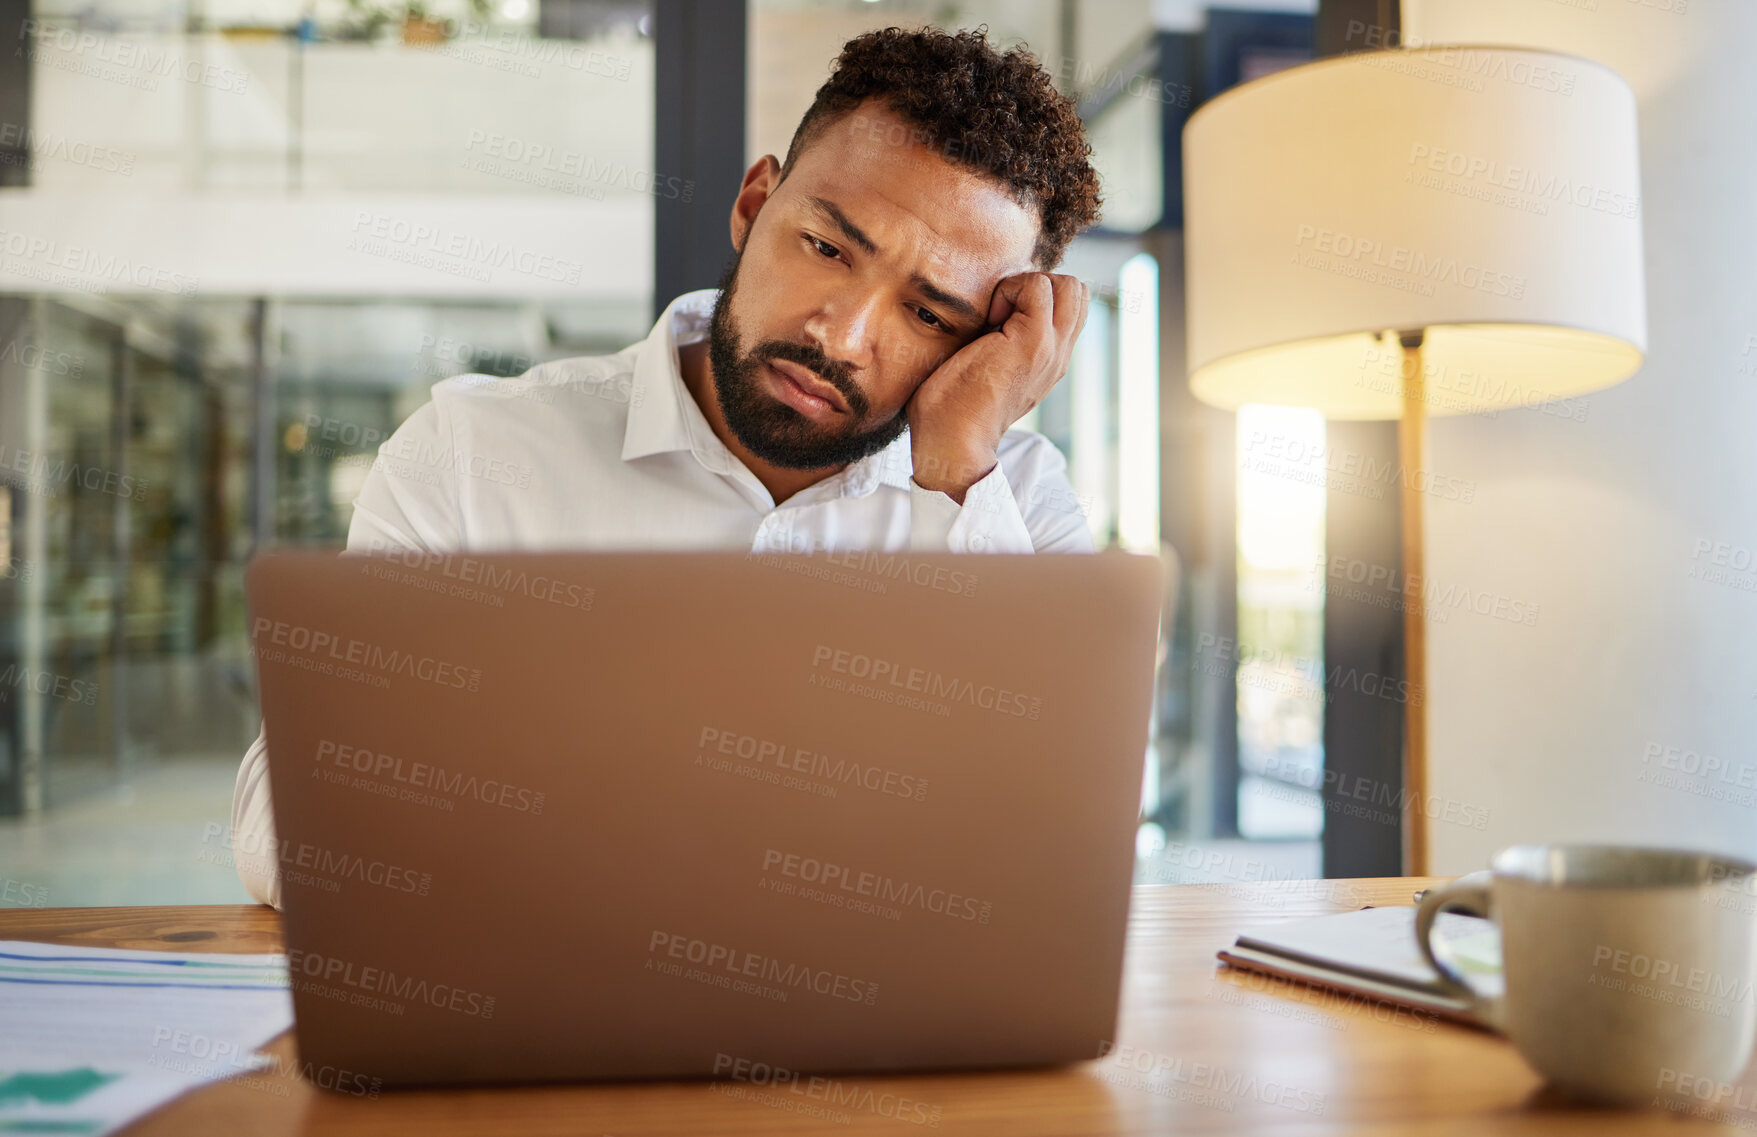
204,345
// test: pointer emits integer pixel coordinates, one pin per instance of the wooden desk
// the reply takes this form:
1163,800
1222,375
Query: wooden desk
1235,1054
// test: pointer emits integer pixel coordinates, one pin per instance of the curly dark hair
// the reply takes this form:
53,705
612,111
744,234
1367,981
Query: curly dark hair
994,112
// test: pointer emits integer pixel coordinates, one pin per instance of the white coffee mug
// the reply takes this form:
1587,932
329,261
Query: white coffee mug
1628,972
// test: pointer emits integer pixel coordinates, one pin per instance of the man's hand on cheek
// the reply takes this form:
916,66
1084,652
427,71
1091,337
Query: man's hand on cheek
960,411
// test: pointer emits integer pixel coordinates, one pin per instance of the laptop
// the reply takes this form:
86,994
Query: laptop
563,817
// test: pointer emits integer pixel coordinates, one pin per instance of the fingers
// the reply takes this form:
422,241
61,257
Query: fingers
1042,314
1072,299
1070,305
1024,300
1042,303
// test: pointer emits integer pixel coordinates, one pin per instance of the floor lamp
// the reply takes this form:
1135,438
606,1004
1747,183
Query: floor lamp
1401,234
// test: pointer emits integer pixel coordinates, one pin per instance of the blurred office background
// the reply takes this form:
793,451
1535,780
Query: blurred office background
239,239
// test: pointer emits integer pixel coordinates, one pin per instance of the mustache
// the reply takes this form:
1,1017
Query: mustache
835,373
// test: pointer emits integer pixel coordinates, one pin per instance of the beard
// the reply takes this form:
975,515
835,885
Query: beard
770,429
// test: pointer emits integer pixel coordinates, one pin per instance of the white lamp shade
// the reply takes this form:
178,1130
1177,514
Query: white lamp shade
1487,197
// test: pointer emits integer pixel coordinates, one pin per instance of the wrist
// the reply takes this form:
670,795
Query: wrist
952,470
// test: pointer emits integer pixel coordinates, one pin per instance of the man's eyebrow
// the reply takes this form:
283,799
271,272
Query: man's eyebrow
959,306
956,304
849,229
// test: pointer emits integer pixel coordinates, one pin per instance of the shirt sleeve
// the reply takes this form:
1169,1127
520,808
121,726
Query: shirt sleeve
411,497
409,501
254,852
1024,505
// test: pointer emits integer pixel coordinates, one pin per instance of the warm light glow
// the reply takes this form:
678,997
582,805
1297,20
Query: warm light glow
1283,468
1468,370
1281,479
1137,493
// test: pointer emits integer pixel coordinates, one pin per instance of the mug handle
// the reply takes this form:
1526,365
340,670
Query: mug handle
1470,894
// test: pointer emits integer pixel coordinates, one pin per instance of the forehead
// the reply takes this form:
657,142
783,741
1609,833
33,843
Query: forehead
945,218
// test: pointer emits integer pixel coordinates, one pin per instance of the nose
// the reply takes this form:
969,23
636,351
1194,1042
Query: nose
845,325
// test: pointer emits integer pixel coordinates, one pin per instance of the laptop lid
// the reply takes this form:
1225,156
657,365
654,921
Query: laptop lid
583,816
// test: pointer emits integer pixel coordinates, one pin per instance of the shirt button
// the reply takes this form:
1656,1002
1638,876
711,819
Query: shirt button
978,542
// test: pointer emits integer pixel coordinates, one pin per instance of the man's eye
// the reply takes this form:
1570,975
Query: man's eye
930,319
824,247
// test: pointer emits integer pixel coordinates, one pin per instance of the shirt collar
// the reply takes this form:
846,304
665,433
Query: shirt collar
663,415
892,466
661,409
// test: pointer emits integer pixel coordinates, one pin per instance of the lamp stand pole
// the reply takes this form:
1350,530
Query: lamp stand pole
1412,459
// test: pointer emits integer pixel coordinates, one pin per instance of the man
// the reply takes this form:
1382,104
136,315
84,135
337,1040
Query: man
891,274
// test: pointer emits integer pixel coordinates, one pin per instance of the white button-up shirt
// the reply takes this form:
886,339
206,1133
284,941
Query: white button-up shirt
612,453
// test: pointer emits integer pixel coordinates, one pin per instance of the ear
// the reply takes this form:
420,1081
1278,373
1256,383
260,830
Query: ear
759,182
